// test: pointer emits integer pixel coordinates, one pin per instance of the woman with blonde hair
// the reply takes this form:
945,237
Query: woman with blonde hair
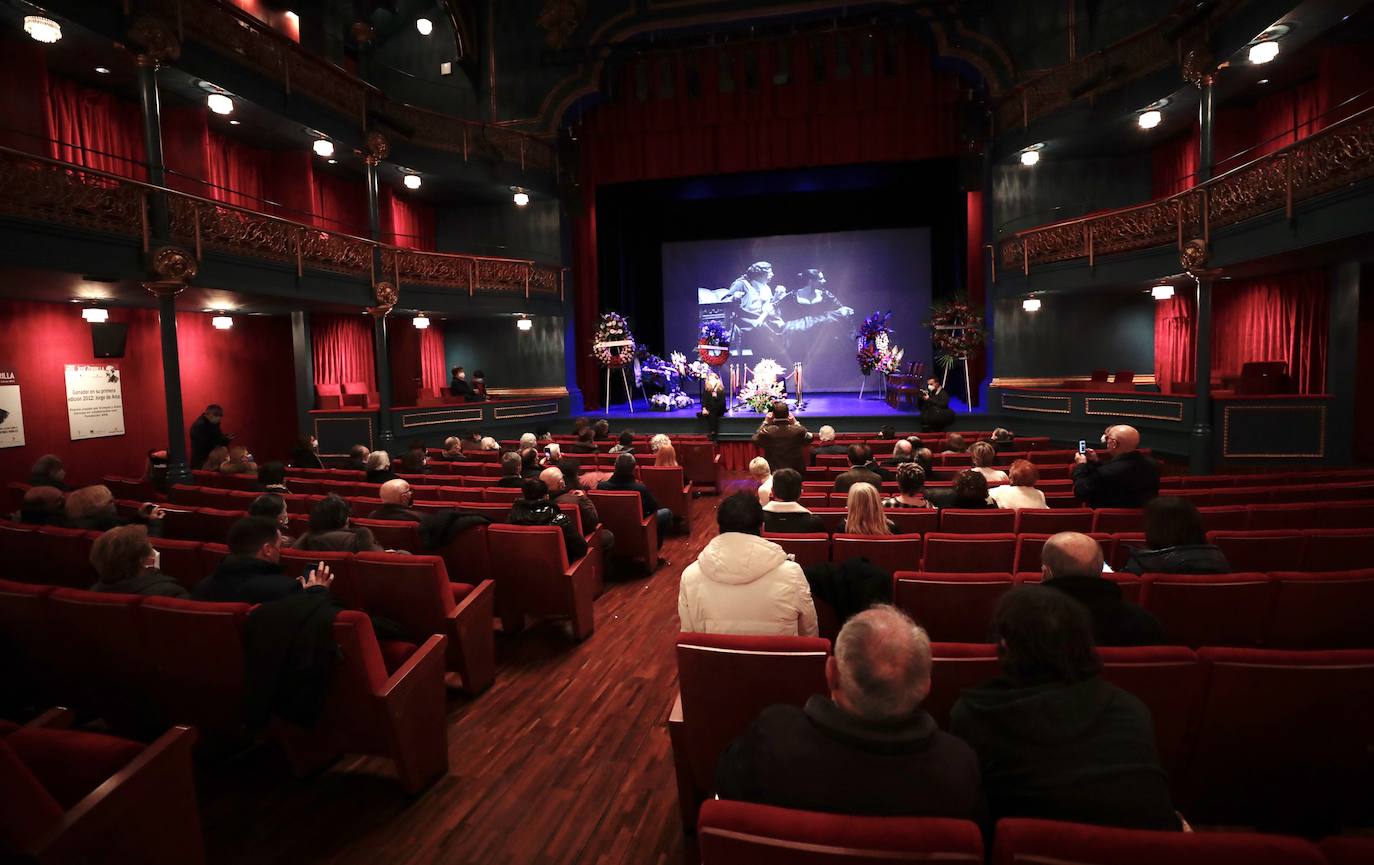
762,474
1021,492
665,454
218,457
984,456
713,404
866,515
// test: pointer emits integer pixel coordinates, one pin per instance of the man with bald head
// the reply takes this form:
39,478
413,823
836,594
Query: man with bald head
557,482
869,748
1072,563
397,497
42,506
1128,480
901,453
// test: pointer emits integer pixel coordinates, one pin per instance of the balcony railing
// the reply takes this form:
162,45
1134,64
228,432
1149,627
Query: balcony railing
1337,156
46,190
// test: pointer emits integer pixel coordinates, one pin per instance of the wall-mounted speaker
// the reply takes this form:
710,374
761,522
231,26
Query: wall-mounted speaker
107,339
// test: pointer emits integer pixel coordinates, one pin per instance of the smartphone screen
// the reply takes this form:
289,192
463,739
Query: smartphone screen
1082,446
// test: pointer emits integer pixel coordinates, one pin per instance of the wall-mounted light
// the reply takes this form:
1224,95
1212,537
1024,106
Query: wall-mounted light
1031,155
219,103
42,29
424,25
523,323
412,181
1162,292
1149,119
1031,304
222,322
95,314
1263,52
420,321
103,70
519,196
323,147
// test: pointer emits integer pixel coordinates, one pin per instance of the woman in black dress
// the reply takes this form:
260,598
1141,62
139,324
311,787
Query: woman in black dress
713,404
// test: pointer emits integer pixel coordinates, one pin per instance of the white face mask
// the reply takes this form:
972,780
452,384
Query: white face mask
157,560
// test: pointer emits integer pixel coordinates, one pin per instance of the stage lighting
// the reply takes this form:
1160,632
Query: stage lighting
42,29
421,322
1031,304
95,314
1263,52
222,322
219,103
1030,157
1162,292
412,181
523,324
424,25
521,197
1149,119
323,147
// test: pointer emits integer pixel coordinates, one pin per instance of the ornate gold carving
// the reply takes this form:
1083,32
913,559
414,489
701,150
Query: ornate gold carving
69,195
558,19
155,39
472,140
1166,403
386,294
1065,401
378,148
164,288
174,264
1193,255
1197,66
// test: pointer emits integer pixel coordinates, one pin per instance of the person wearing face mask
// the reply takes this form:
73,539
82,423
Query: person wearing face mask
128,564
251,573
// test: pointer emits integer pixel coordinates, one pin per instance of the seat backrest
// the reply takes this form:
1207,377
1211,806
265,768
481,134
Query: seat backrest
914,521
698,461
954,667
299,563
1217,518
102,651
413,591
1262,551
1210,609
1114,520
394,534
531,576
1355,514
1167,679
65,555
620,510
1322,611
24,621
666,483
196,652
1338,549
1049,521
892,553
806,549
727,680
959,553
744,833
1019,841
179,560
952,607
501,495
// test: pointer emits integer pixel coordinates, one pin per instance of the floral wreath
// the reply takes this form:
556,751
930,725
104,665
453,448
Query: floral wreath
875,349
956,328
713,343
613,328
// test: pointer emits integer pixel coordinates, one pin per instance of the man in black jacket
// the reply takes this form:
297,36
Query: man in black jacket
459,387
511,474
623,480
936,415
251,573
783,439
868,748
206,435
397,497
1072,563
535,509
559,493
862,468
1129,480
825,438
783,515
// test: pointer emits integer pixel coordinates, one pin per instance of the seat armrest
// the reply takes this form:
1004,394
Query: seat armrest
473,638
56,718
410,675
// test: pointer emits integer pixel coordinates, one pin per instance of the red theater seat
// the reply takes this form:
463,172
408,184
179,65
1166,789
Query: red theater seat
914,521
952,607
724,682
993,553
535,578
63,556
26,641
179,560
1210,609
1045,521
977,522
1348,850
806,549
1022,842
195,650
1338,549
743,833
1113,520
328,395
1232,518
1322,611
956,666
636,536
503,495
892,553
1167,679
394,535
100,653
1262,551
700,465
669,487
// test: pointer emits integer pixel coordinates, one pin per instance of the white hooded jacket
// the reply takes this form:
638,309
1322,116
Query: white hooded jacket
743,584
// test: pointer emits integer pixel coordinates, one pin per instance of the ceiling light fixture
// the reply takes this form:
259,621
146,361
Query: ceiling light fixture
412,181
1263,52
1030,157
333,162
1149,119
95,314
520,197
420,321
103,70
1264,81
323,147
234,123
219,103
222,322
42,29
523,323
424,25
1162,292
1031,304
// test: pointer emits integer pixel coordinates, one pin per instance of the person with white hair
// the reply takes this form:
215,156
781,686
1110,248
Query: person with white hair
826,438
489,444
763,476
658,441
868,748
527,440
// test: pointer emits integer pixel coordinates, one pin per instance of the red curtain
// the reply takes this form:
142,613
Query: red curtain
1175,361
1173,165
95,129
433,363
587,301
1282,317
973,266
408,224
23,100
339,205
234,172
342,349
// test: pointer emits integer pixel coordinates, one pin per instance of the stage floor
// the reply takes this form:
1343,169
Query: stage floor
837,409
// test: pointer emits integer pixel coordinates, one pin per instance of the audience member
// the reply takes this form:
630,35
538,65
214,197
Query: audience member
761,474
511,466
1072,563
479,384
453,450
865,515
742,583
601,430
415,461
529,463
579,424
665,456
330,529
251,573
240,462
869,748
1128,480
535,509
397,497
1176,542
862,469
488,444
570,469
458,386
273,507
826,437
925,458
622,479
901,453
585,443
561,493
542,435
93,509
1054,740
1002,440
43,506
527,440
206,436
955,444
911,482
1021,492
48,471
272,478
128,564
357,458
783,439
969,492
984,459
657,441
379,468
625,443
306,453
215,459
887,431
783,514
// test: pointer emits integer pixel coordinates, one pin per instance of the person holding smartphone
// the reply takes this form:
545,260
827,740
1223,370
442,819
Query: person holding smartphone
252,572
1128,480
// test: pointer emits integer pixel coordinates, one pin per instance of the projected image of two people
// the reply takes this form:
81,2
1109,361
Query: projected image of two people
766,320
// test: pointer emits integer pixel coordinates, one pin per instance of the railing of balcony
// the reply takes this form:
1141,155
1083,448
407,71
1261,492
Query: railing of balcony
47,190
1337,156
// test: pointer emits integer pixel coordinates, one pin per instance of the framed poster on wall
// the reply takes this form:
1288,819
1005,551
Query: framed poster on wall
95,401
11,411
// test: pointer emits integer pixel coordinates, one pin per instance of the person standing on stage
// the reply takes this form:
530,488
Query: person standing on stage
713,404
206,435
936,415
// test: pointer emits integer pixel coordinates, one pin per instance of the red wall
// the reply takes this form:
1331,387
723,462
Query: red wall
248,370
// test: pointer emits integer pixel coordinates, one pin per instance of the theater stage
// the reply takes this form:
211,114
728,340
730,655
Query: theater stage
844,411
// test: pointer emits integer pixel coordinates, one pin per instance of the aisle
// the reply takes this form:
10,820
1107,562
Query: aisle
565,760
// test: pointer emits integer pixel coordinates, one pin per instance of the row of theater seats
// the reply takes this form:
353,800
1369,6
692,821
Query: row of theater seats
1247,736
144,663
742,833
1278,609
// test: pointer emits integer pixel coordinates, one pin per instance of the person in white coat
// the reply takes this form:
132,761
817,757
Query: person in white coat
744,584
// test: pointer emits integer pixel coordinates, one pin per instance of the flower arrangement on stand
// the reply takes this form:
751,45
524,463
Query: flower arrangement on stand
613,328
713,343
956,331
875,350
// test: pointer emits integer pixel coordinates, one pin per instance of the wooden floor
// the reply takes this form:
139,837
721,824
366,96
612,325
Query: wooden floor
565,760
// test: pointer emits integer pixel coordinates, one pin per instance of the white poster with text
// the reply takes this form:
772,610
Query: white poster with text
95,401
11,411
